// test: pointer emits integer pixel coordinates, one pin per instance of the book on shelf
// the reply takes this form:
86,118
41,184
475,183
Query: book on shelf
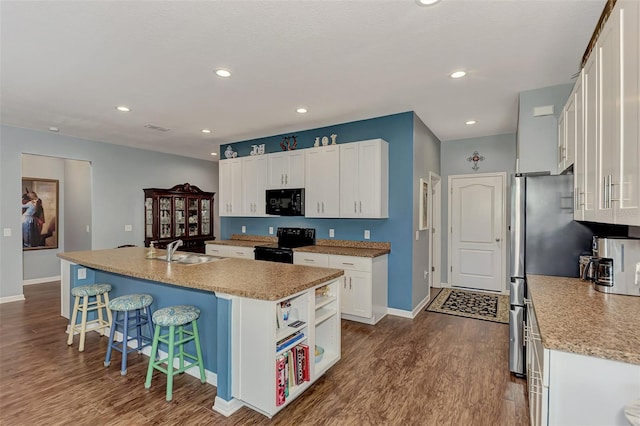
283,343
281,380
305,353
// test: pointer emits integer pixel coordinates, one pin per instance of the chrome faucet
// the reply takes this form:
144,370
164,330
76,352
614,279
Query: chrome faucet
172,247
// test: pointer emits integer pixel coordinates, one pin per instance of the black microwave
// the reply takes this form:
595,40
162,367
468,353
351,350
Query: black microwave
285,202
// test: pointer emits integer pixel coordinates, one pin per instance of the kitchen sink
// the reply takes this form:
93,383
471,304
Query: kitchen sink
190,259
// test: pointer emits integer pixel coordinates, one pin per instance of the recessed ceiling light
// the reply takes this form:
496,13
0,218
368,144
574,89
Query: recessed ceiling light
214,153
223,73
53,129
206,131
301,110
470,122
123,108
426,2
458,74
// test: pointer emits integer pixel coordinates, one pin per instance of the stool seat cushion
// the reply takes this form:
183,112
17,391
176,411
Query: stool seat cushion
91,289
175,315
130,302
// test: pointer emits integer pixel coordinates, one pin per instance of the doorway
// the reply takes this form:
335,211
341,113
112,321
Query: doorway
435,232
477,246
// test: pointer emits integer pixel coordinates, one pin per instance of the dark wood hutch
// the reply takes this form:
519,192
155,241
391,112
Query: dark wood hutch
183,212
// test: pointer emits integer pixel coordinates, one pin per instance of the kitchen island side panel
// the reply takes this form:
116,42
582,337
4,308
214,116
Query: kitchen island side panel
168,295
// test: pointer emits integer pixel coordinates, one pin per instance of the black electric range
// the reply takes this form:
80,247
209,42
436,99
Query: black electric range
288,239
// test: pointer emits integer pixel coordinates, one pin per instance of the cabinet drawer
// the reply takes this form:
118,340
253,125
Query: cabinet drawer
216,250
311,259
350,263
241,252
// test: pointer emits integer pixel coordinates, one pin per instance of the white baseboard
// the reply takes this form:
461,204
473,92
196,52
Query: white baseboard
227,408
41,280
409,314
16,298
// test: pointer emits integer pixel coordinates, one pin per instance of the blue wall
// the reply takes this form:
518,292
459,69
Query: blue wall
396,129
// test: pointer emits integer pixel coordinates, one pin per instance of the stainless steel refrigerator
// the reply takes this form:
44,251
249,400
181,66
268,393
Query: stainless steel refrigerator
545,240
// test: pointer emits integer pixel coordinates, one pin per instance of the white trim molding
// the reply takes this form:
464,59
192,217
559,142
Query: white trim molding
41,280
406,314
227,408
8,299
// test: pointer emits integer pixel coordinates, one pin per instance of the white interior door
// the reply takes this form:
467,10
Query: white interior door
476,215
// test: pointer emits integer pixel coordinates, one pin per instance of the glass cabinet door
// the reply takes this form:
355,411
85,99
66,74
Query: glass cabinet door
192,212
165,217
205,215
179,217
148,214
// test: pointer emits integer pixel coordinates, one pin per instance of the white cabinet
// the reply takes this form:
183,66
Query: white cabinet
567,133
322,192
579,165
363,288
254,184
364,179
259,354
224,250
286,169
230,187
319,260
618,183
587,200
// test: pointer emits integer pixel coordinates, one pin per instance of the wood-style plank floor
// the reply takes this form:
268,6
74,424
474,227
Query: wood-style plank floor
434,370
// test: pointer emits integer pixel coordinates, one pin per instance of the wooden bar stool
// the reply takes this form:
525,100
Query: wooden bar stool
95,297
131,311
172,317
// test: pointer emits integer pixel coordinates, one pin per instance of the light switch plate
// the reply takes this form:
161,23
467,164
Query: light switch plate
7,232
88,229
128,228
367,234
82,274
331,233
417,235
244,229
271,230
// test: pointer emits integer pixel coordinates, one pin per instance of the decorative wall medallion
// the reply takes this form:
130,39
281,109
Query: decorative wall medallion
475,157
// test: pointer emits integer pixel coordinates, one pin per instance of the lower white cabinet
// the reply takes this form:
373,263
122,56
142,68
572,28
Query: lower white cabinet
363,288
230,251
571,389
260,356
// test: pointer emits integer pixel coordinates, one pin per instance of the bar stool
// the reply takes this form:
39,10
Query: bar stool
100,295
132,310
172,317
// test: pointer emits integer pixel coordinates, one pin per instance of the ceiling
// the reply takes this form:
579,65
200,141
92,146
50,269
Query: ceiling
68,64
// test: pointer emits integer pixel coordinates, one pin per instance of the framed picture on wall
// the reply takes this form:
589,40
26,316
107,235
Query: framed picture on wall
424,205
39,213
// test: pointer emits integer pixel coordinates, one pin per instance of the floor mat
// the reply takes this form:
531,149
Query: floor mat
472,304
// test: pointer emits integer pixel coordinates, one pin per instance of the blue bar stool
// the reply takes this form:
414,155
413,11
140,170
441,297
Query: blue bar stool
131,311
95,297
176,318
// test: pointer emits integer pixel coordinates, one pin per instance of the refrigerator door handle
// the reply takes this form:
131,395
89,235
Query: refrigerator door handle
516,341
517,291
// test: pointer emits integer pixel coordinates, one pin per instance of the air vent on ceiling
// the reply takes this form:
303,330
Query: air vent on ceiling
158,128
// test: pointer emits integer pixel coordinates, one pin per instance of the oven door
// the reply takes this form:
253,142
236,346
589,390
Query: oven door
273,254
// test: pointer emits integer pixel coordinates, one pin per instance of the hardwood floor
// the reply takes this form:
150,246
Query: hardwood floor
434,370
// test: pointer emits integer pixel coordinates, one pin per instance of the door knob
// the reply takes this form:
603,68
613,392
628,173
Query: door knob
497,240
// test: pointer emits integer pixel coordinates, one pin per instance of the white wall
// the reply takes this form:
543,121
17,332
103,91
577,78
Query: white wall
426,158
538,136
77,205
119,175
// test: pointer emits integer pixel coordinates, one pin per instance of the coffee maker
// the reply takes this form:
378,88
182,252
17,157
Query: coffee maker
615,265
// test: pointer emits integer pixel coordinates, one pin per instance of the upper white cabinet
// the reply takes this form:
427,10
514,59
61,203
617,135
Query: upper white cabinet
578,166
364,179
286,169
254,184
608,176
230,187
618,183
322,195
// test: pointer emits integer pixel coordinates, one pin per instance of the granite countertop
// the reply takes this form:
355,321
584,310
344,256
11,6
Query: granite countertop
335,247
254,279
573,317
